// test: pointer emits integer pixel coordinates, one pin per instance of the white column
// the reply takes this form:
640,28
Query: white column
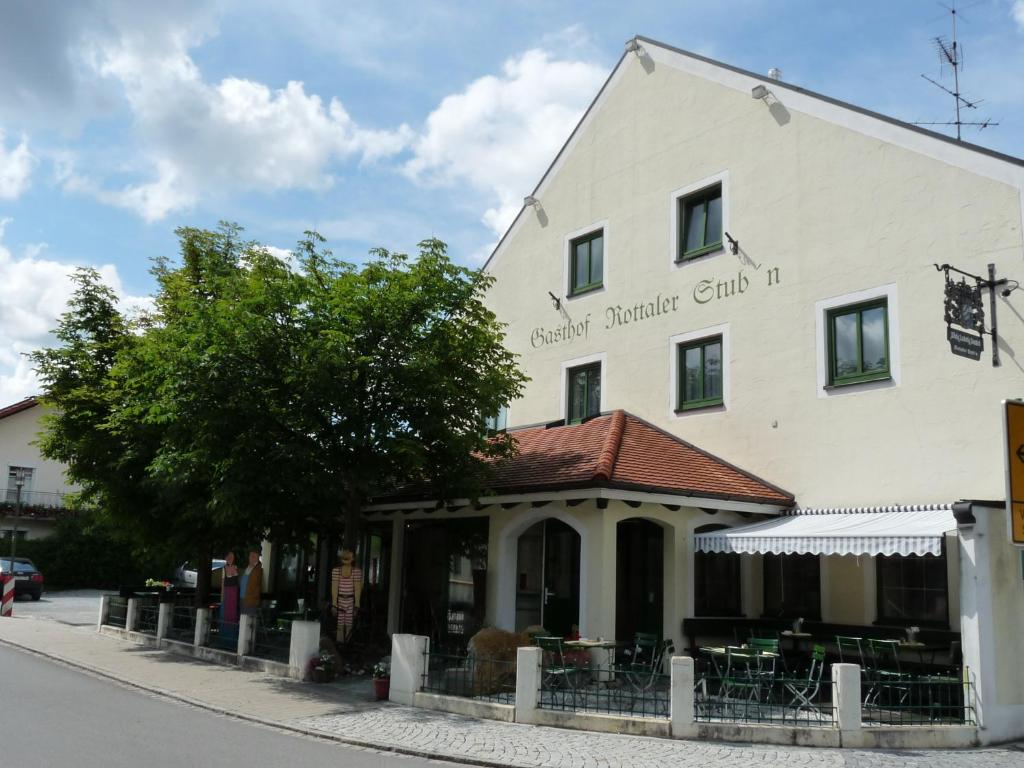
527,684
132,617
246,627
681,702
104,613
163,620
408,665
202,627
846,699
305,643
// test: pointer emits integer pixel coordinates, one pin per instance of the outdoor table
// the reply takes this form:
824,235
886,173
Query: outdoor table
801,641
921,649
602,656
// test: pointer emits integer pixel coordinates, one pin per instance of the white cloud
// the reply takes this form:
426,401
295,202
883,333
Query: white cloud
1018,13
16,167
33,293
501,132
199,139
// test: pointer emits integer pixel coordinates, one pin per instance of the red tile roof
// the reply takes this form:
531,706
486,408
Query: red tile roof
24,405
618,450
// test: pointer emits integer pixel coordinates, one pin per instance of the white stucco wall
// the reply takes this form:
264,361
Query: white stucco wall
18,432
821,211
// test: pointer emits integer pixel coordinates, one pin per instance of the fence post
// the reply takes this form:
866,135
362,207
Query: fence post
202,627
305,643
681,702
163,620
408,665
246,626
104,614
847,702
527,683
131,618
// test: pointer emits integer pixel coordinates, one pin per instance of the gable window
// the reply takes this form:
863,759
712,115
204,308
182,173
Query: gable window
792,586
498,422
700,223
913,589
584,397
858,342
716,580
586,262
13,473
700,373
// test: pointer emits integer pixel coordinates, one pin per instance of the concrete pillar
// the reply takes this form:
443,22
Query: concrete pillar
846,700
202,627
527,683
104,612
163,620
408,665
681,698
132,618
305,644
246,629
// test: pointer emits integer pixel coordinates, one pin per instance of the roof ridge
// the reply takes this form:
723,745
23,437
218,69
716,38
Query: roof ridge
610,450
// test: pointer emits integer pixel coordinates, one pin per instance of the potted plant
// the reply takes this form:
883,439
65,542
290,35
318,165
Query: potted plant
381,675
320,668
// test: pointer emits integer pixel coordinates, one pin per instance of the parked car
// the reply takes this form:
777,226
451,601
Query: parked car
186,575
28,580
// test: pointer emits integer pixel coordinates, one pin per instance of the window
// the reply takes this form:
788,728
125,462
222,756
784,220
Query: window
913,589
586,262
498,422
716,581
792,586
858,340
700,373
12,484
584,397
700,222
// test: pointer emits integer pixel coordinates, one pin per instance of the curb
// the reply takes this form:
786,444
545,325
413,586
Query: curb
294,729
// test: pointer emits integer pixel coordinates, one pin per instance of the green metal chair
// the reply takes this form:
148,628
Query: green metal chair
743,680
646,658
851,651
555,672
887,682
802,693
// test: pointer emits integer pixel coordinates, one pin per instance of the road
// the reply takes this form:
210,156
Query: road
52,715
77,607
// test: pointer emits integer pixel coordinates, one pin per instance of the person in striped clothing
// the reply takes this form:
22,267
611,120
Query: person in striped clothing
346,589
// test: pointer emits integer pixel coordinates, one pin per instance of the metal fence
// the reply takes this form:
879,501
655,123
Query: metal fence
769,699
149,613
183,624
626,691
271,642
484,679
117,611
222,635
901,699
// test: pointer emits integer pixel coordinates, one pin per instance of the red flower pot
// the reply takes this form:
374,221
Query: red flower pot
381,688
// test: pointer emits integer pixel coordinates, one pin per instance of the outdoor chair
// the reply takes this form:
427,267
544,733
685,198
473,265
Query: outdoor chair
887,683
743,679
556,673
851,651
803,692
765,645
646,658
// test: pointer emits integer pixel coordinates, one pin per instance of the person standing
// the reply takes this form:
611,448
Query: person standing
229,591
251,584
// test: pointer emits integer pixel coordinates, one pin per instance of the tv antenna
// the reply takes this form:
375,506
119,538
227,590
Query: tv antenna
951,54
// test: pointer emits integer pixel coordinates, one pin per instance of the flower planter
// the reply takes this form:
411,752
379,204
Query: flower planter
381,688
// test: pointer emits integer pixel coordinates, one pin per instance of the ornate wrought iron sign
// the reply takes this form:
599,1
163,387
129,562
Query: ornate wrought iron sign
965,307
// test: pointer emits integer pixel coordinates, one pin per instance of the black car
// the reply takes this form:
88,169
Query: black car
28,580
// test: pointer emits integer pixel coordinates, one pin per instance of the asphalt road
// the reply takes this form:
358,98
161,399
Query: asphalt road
51,715
77,607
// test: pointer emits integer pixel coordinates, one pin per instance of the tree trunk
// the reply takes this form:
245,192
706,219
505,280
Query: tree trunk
353,523
204,564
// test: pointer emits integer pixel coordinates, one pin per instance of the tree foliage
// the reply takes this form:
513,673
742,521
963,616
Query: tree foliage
265,397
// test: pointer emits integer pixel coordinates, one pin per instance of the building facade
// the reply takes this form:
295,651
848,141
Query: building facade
748,270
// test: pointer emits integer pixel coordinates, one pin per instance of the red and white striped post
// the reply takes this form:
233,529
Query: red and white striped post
7,602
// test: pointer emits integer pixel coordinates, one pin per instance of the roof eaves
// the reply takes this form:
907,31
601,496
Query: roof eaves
23,405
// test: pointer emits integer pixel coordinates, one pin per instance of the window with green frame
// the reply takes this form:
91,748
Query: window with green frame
858,337
584,397
700,373
700,223
586,267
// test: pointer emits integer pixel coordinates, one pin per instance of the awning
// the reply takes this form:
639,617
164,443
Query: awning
855,531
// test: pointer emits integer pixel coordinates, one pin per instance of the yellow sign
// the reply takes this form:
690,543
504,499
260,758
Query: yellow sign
1015,468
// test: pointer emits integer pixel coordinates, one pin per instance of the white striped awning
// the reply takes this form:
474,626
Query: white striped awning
898,530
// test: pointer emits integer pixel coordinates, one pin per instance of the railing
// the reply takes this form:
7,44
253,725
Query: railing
222,635
271,642
472,677
117,611
768,699
901,699
32,501
626,691
149,614
182,626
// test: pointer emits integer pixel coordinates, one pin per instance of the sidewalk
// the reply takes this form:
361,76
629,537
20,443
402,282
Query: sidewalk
348,714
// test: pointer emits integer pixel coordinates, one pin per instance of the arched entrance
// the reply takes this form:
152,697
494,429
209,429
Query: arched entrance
548,577
640,578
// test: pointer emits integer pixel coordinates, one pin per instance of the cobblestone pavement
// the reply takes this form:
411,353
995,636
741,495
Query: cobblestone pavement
349,714
457,737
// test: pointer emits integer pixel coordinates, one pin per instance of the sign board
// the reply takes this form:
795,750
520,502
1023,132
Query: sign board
965,344
1014,429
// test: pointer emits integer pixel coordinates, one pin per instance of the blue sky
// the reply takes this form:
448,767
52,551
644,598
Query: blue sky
378,123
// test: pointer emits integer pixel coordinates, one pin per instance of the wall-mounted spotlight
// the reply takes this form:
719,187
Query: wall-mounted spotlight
633,46
555,301
734,244
759,91
531,202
